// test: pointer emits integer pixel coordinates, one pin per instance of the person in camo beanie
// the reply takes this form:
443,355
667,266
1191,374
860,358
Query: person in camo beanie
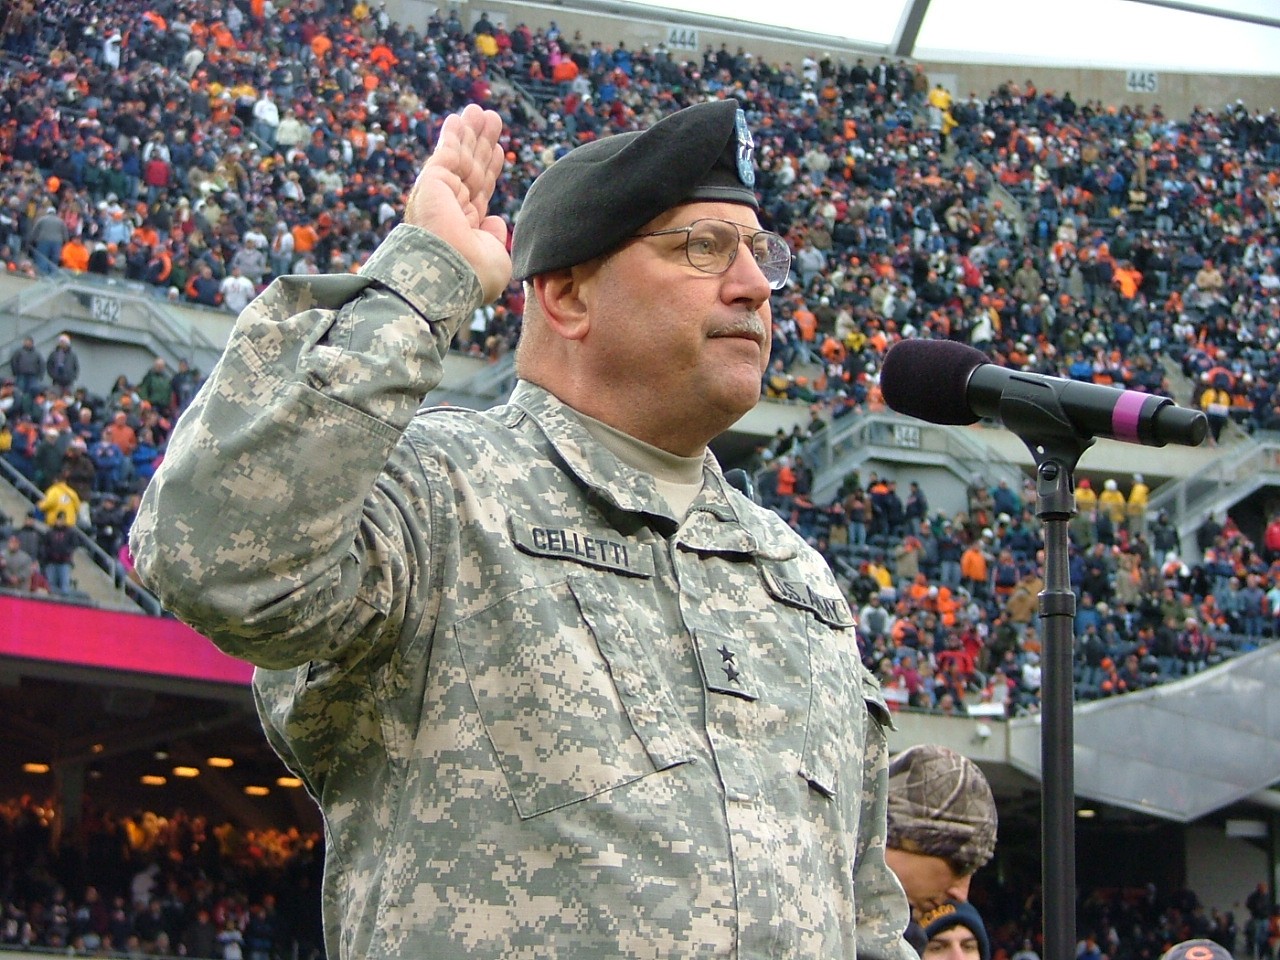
941,827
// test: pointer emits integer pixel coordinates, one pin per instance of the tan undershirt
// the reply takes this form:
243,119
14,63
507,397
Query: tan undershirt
679,479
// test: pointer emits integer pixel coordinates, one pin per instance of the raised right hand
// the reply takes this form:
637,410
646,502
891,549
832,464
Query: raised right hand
451,195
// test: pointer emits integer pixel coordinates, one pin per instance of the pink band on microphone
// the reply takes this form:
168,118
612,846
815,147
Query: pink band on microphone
1126,415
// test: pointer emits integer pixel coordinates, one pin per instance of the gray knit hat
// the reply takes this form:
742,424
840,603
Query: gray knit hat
940,805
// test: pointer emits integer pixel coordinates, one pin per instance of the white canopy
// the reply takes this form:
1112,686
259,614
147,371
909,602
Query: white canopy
1219,37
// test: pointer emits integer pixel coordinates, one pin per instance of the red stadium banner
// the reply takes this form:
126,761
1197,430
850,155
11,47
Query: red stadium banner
54,632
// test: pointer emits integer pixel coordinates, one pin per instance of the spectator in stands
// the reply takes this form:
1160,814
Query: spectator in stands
145,457
63,367
1136,505
84,426
111,475
119,431
236,290
1004,499
954,931
203,287
16,565
200,937
975,565
74,255
1113,503
48,456
184,385
27,365
60,502
79,469
110,524
231,940
874,619
941,824
156,386
57,549
47,237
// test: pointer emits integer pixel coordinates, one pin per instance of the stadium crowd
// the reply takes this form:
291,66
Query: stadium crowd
200,151
142,883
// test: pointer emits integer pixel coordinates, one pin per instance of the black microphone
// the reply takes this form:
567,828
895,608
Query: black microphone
943,381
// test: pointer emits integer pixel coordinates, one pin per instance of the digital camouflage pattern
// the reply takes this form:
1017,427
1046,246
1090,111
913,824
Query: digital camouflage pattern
541,717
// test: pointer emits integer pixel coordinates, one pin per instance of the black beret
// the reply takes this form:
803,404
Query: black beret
599,194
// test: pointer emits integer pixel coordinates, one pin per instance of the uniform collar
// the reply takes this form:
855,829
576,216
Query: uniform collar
597,467
720,520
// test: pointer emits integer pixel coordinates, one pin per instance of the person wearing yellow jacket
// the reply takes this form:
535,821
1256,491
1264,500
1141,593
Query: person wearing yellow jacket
1086,497
1136,506
1112,501
60,500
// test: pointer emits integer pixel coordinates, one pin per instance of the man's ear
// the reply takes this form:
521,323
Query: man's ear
564,308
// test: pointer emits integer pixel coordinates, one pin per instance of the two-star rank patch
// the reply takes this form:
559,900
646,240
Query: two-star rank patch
725,665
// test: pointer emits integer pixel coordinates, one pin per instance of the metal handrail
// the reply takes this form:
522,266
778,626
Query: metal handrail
143,295
1231,476
842,438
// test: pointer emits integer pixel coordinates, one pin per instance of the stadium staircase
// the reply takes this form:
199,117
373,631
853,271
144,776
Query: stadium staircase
903,443
1241,470
97,579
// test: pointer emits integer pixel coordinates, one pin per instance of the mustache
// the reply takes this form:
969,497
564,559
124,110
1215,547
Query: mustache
748,325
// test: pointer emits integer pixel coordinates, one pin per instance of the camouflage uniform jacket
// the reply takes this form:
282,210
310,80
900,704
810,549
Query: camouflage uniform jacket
541,717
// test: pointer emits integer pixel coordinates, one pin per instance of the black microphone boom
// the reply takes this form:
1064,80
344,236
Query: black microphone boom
943,381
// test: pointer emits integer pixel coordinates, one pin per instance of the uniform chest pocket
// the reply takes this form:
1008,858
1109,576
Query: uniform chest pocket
846,702
564,704
840,693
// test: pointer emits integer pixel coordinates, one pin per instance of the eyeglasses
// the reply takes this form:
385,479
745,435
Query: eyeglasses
711,246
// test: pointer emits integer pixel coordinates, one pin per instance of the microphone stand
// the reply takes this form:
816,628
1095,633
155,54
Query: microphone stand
1038,420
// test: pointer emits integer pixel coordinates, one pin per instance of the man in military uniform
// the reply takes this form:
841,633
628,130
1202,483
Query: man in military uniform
559,690
941,824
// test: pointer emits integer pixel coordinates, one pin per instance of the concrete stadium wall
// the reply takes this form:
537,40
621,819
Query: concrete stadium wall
1223,870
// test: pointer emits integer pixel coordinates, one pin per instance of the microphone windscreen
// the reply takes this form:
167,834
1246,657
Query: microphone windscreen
928,379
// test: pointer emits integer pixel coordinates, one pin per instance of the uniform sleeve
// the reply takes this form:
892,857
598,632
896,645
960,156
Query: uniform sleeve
882,911
283,523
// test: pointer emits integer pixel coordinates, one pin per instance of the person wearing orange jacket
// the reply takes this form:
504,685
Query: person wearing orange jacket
75,255
565,72
786,481
975,565
320,46
160,266
1128,280
305,238
383,58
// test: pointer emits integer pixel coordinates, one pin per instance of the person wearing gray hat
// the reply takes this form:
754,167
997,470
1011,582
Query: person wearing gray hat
941,824
559,688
